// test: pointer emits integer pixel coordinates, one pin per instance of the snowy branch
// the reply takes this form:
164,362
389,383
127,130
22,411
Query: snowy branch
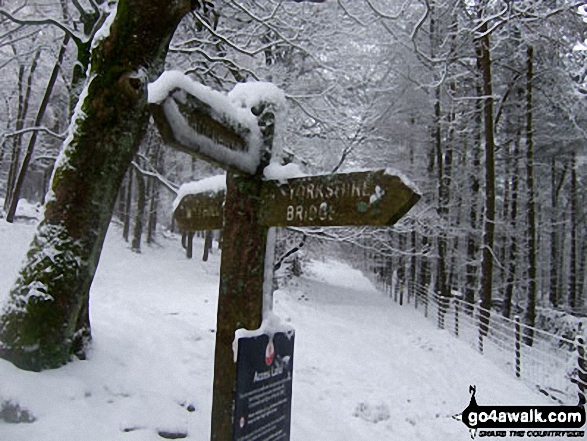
45,130
279,34
226,40
290,252
386,16
166,183
221,60
45,21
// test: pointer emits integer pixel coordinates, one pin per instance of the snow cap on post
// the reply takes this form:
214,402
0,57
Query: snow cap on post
233,130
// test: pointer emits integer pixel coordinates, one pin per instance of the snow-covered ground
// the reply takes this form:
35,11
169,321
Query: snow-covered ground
366,369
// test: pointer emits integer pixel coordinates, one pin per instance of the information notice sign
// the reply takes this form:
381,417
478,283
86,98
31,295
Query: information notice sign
263,387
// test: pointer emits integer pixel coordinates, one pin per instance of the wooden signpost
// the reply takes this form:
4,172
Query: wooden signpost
346,199
200,211
251,207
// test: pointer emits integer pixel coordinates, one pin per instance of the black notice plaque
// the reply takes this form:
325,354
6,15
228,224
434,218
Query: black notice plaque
263,387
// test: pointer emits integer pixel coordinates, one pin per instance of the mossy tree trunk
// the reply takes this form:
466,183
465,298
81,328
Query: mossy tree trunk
46,318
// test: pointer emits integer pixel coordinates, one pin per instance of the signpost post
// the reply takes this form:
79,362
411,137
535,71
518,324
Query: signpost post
251,207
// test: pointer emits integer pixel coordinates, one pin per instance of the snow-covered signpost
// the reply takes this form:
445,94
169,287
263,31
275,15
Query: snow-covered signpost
233,130
236,131
377,197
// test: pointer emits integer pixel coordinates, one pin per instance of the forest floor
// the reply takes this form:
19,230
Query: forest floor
365,369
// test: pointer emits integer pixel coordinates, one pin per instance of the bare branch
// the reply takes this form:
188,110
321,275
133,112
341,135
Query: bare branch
388,16
45,21
42,129
220,60
167,184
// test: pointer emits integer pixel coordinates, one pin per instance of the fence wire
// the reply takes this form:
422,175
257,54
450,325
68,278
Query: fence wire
554,365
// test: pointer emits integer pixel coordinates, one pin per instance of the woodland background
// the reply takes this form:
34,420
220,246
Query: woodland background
482,104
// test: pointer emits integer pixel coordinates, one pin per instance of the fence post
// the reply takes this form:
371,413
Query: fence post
518,346
456,301
482,332
442,302
582,371
426,301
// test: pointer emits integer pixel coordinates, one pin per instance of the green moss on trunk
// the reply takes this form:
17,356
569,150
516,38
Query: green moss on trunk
46,319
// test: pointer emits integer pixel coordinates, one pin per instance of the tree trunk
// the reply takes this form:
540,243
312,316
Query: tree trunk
513,248
127,205
188,238
207,244
530,314
137,232
46,318
156,159
153,203
472,268
573,214
489,226
553,294
582,272
19,181
23,105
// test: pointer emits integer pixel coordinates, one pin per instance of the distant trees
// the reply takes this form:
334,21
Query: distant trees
482,104
501,103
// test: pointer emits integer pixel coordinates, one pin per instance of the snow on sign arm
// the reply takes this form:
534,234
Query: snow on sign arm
198,205
219,127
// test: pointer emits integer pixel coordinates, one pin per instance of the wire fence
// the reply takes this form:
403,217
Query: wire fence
554,365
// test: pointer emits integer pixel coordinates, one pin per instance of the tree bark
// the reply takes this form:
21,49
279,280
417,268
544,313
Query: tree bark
208,237
553,293
489,226
513,248
472,268
573,279
46,318
555,235
137,232
530,313
127,205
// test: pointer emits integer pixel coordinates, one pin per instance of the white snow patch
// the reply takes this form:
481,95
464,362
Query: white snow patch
379,193
338,274
173,79
232,109
276,171
77,117
213,184
26,210
407,181
270,325
253,93
111,8
153,319
37,291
